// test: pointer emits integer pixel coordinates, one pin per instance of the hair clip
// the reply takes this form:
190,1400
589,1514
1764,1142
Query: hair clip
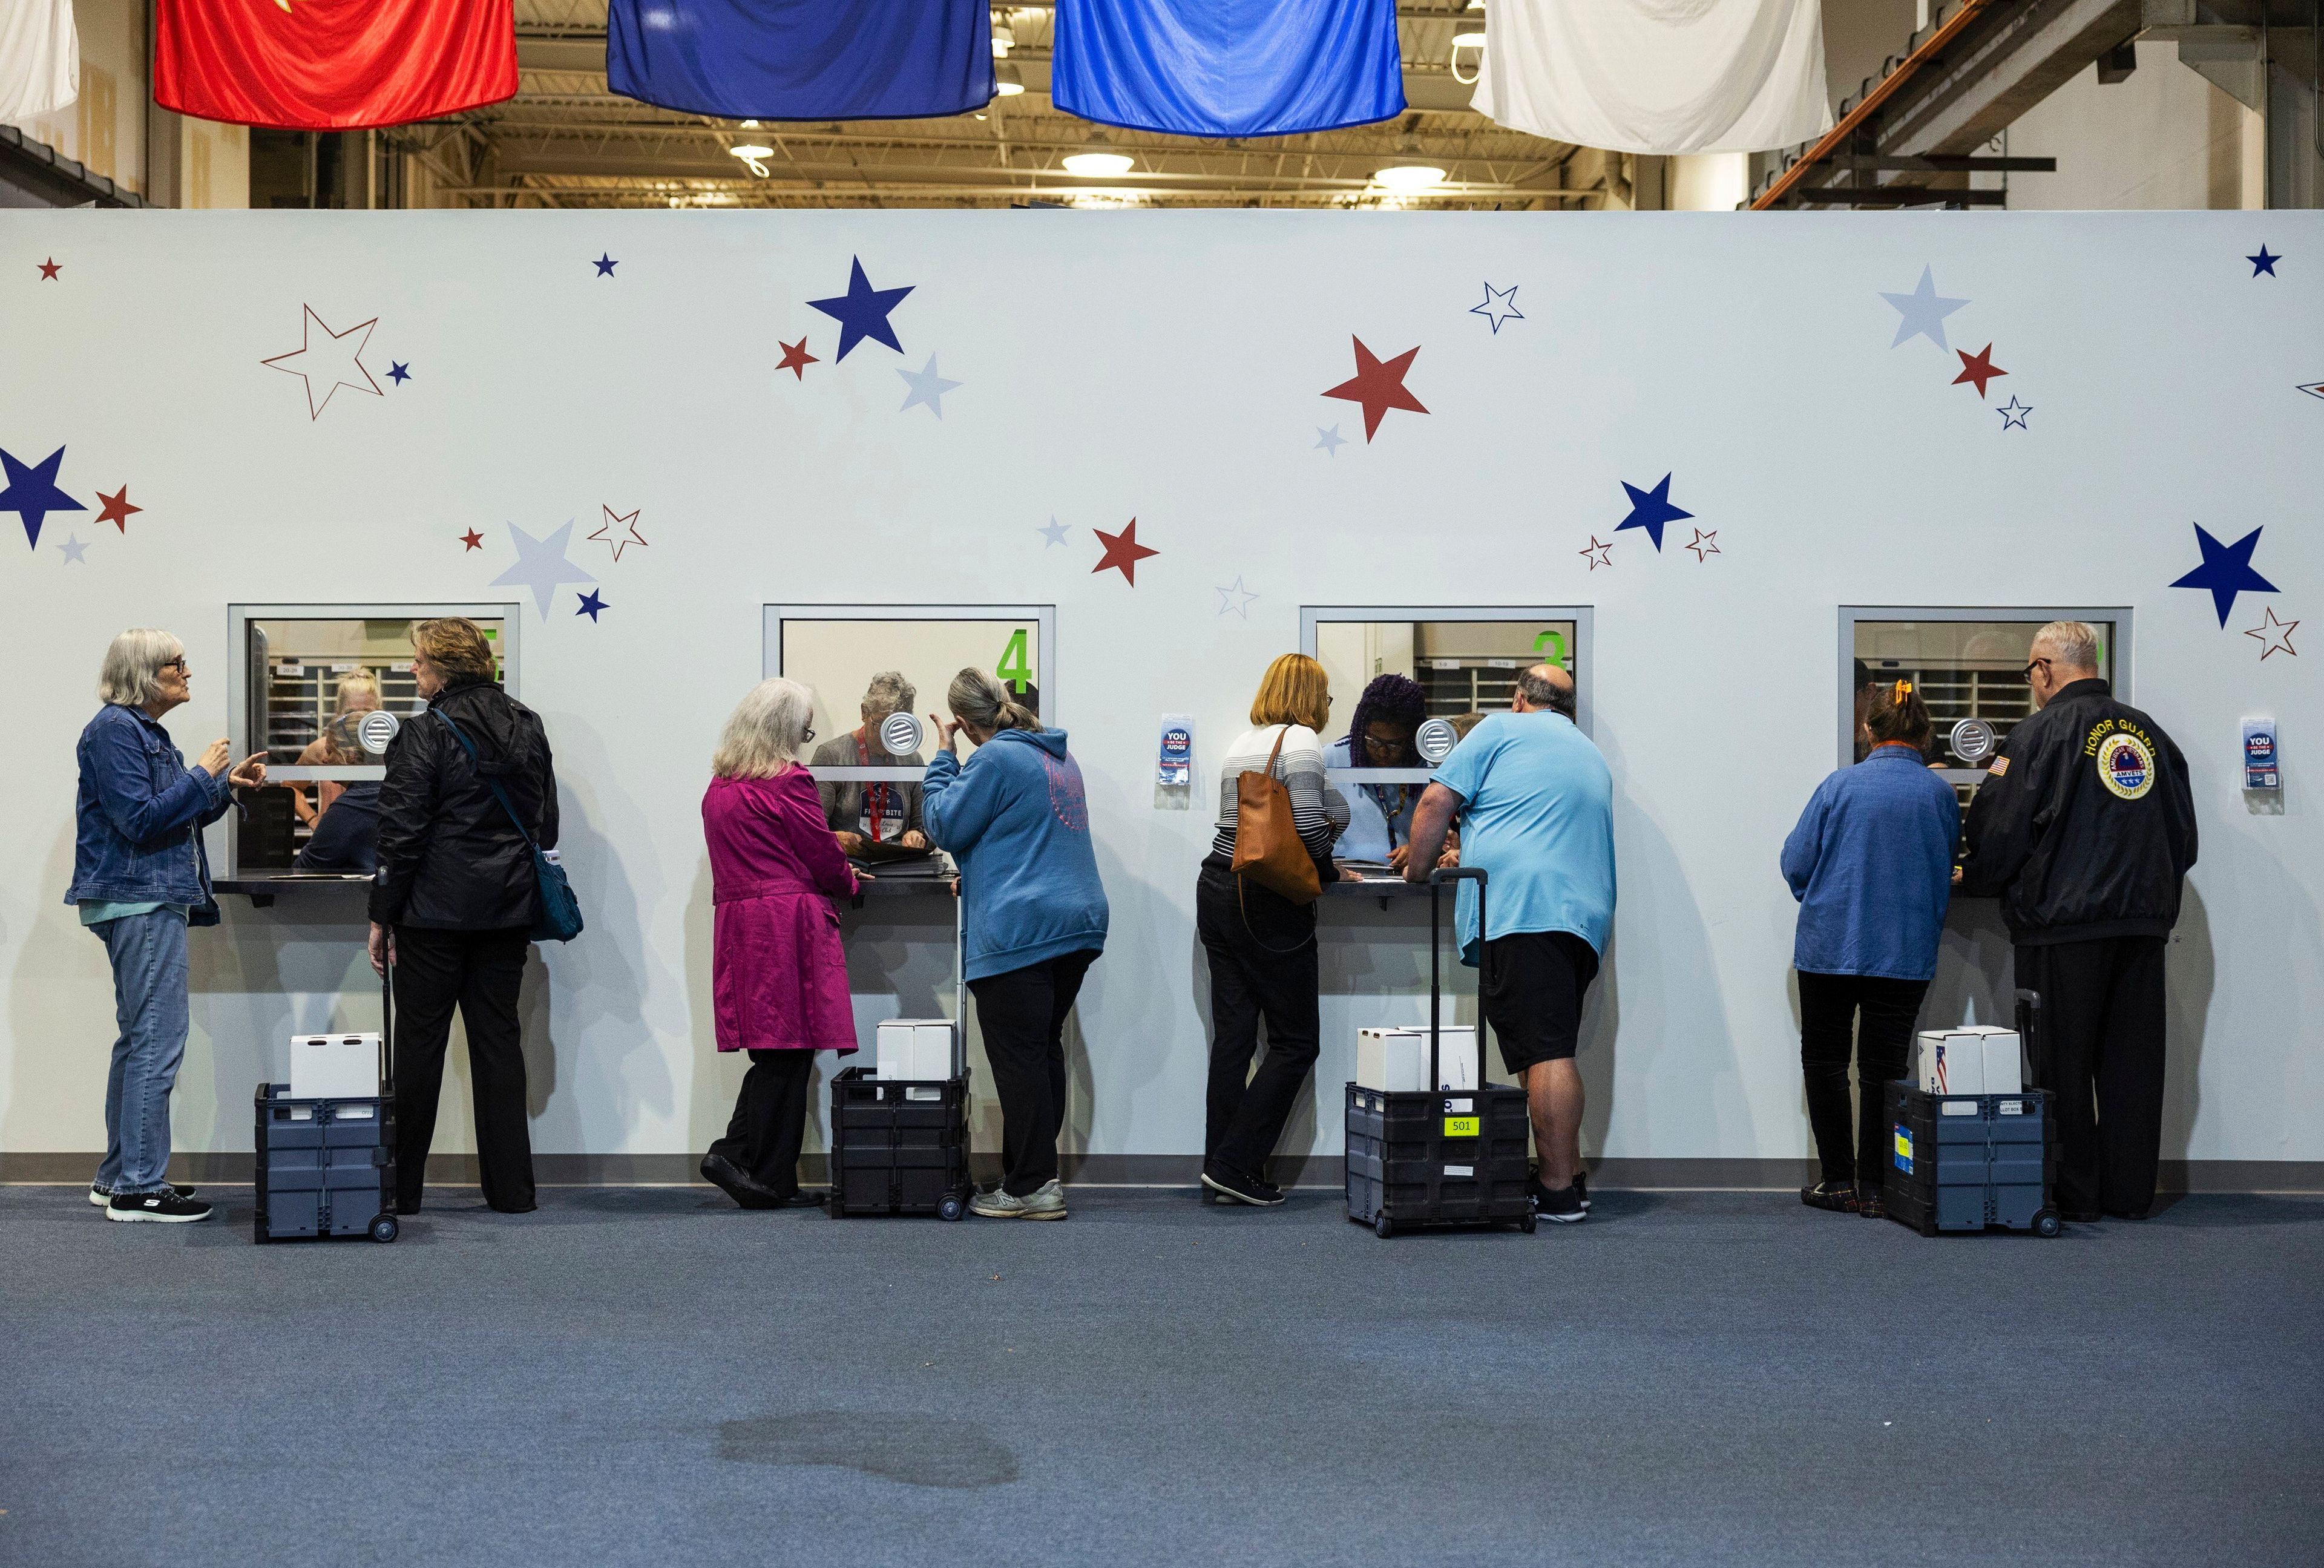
1904,690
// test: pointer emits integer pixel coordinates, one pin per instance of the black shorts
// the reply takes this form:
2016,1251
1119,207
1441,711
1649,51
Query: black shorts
1532,985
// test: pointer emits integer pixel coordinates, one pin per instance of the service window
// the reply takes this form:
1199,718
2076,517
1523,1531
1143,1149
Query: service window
306,683
1969,666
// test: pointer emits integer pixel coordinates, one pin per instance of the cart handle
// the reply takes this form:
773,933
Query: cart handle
1437,877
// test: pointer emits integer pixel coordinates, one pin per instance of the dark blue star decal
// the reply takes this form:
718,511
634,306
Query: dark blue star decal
32,493
399,373
2263,263
1650,509
862,312
590,605
2226,571
605,263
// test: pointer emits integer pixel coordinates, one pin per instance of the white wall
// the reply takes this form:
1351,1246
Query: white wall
1170,369
2162,137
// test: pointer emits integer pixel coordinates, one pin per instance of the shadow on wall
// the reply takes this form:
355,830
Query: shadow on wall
2190,971
59,1018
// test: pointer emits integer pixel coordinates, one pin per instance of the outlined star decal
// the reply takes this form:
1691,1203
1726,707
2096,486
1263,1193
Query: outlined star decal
335,361
928,388
1237,599
2314,389
398,372
540,565
1922,312
1054,533
50,268
1977,367
795,358
2013,414
626,520
31,492
2226,571
1122,552
591,606
2263,262
862,312
1649,509
1500,305
1379,386
1702,544
1329,441
1598,555
605,263
2276,634
472,540
117,509
76,555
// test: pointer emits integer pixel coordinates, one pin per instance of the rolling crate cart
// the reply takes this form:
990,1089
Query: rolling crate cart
326,1167
900,1146
1426,1158
1974,1162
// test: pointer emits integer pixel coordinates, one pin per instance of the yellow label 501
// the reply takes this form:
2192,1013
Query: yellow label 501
1461,1126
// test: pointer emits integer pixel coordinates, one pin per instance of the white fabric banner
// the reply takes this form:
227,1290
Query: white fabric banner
1656,75
40,58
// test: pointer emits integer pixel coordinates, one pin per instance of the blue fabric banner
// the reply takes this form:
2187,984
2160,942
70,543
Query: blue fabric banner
1228,68
803,59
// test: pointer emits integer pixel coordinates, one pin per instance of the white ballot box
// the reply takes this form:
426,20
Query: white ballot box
914,1049
1396,1060
334,1067
1975,1059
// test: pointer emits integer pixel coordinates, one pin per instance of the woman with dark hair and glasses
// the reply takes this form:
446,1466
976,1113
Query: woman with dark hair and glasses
1388,715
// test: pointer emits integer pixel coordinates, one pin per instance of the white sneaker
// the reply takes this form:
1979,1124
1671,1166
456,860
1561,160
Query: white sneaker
1046,1201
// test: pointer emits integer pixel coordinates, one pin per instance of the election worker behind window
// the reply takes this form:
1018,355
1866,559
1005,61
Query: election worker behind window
454,901
1388,717
1871,864
140,877
347,834
2084,828
1535,802
876,811
1016,818
778,974
1258,930
357,694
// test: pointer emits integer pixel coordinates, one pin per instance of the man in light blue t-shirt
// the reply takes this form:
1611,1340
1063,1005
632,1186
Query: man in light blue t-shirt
1536,806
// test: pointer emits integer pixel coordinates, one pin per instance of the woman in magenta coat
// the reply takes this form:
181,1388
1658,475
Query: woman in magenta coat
778,975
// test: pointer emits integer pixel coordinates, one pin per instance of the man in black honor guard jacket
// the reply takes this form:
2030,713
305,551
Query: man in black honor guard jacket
2084,829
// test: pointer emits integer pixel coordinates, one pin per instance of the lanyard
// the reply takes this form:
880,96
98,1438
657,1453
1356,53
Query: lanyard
1379,792
875,796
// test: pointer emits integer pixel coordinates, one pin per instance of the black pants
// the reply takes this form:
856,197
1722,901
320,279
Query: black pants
481,973
1023,1015
768,1126
1263,957
2099,1051
1829,1006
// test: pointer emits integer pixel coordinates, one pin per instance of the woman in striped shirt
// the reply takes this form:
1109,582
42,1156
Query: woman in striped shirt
1261,945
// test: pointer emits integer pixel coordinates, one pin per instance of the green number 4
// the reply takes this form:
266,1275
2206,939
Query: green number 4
1013,666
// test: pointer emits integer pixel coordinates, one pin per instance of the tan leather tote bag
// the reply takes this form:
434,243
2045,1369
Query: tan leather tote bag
1267,845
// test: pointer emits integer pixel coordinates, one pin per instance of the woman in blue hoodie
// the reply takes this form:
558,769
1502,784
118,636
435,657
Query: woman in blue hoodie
1871,863
1017,820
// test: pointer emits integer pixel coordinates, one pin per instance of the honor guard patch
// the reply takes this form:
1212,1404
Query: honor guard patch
2126,767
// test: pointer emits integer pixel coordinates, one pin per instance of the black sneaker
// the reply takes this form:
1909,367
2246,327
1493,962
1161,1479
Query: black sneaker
1839,1197
167,1207
1563,1207
1581,1186
1237,1188
99,1194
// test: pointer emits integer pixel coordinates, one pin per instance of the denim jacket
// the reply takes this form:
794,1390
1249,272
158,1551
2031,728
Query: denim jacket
141,812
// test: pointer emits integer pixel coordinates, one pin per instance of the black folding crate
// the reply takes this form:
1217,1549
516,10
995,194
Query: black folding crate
325,1167
1436,1156
1974,1162
899,1146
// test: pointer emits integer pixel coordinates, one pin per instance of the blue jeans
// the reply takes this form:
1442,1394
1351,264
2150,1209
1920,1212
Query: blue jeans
149,1003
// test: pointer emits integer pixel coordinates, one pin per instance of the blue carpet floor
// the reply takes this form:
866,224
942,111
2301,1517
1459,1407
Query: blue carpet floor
654,1377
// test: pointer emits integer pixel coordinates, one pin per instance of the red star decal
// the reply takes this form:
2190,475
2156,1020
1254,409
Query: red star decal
1977,367
1123,550
795,358
1378,385
472,539
116,510
50,268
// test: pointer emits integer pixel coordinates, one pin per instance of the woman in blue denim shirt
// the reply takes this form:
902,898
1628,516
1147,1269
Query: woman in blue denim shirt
140,878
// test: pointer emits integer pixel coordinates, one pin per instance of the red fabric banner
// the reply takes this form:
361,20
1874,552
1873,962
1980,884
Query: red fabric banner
332,65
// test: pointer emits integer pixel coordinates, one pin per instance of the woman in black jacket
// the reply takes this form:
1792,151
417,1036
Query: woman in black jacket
454,901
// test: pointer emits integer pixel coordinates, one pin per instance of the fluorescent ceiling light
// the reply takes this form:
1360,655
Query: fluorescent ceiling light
752,154
1008,81
1100,165
1003,42
1408,177
1468,40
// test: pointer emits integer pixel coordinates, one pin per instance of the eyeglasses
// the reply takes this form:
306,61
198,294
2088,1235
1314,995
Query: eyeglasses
2026,673
807,736
179,664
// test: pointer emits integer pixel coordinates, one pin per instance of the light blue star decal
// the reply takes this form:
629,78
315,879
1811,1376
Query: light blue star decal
1054,533
1923,312
74,552
927,387
1330,440
2013,414
1237,599
540,565
1500,305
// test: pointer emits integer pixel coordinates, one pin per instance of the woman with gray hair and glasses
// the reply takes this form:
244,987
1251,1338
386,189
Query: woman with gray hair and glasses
140,878
873,811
